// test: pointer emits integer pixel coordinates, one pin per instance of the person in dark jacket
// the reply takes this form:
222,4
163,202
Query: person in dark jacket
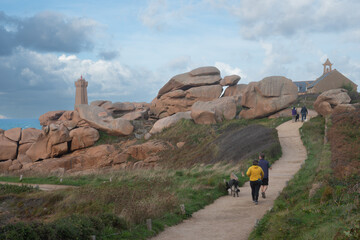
293,113
303,112
265,166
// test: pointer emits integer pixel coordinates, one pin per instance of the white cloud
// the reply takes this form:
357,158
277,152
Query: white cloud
227,70
2,117
159,14
265,18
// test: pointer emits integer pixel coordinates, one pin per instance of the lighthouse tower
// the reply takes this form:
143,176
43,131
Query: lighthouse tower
81,92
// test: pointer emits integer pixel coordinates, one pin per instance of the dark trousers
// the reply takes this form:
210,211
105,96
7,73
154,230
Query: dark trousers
255,187
303,116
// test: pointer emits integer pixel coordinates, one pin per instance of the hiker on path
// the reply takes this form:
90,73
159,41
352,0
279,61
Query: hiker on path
303,112
256,174
293,113
265,167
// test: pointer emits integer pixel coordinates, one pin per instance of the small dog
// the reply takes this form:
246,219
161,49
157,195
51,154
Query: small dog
233,187
297,117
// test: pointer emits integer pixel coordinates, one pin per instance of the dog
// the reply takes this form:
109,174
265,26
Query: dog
297,117
232,187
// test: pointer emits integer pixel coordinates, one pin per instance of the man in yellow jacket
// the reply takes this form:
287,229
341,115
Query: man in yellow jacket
256,174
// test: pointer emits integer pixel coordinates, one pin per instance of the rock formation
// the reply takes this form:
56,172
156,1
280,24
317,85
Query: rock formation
236,92
230,80
270,95
215,111
331,99
100,119
169,121
183,90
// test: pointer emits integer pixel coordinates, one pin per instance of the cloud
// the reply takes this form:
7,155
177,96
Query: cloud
46,32
34,83
160,14
3,117
108,55
227,70
179,64
265,18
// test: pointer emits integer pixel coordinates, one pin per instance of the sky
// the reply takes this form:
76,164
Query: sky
127,50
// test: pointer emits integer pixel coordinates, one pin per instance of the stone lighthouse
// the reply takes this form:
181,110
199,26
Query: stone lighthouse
81,92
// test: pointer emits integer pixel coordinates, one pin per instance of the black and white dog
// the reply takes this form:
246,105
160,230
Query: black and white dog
233,187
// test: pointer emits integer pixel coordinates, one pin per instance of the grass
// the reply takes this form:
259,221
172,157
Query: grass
315,203
132,196
199,147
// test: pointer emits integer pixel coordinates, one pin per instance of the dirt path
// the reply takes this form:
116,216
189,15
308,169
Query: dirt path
234,218
44,187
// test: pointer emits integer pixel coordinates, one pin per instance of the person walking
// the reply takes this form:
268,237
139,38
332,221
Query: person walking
265,166
303,112
256,174
293,113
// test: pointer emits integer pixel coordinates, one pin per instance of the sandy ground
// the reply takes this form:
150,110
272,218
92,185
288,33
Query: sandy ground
44,187
235,217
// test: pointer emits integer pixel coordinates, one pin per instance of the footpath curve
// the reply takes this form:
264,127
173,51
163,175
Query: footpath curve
234,217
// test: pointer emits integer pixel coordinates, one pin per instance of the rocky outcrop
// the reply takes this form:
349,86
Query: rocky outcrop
169,121
270,95
8,148
198,77
236,92
230,80
51,143
327,101
30,135
50,117
100,119
136,115
183,90
83,137
213,111
13,134
181,101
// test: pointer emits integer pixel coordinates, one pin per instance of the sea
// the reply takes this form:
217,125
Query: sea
23,123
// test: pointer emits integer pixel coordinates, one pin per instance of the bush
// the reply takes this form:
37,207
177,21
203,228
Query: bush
73,227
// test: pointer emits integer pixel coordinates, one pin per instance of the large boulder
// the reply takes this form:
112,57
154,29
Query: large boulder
83,137
8,148
71,119
198,77
230,80
213,111
51,143
100,119
30,135
182,100
270,95
13,134
136,115
169,121
50,117
236,92
327,101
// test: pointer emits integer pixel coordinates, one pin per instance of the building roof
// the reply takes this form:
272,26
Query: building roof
320,78
303,85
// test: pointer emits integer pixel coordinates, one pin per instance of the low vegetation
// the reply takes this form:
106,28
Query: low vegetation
115,205
322,200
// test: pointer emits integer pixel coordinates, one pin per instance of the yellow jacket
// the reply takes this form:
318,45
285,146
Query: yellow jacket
255,172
